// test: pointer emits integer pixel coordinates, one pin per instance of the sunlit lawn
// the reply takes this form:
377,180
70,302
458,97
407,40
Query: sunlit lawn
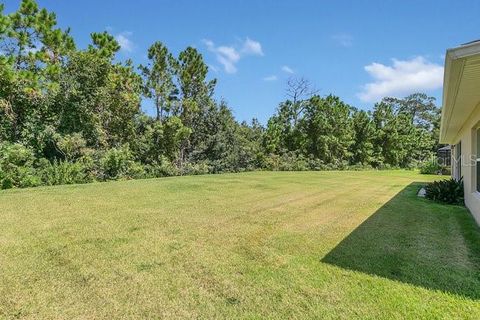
253,245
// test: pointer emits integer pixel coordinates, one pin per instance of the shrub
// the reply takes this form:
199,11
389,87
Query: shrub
360,167
72,146
16,167
292,162
447,191
430,167
315,164
64,172
288,161
164,168
118,163
195,168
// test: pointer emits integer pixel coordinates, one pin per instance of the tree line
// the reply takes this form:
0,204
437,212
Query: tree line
72,115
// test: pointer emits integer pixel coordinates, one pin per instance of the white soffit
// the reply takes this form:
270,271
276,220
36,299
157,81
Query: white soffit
461,89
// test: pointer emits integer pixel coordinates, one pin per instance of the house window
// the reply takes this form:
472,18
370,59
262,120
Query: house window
458,160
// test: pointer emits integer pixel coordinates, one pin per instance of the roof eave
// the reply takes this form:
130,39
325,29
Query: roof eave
452,55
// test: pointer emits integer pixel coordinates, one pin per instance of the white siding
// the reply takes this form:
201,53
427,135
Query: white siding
467,137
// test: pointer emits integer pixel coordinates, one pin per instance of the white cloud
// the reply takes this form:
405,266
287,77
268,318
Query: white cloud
213,68
270,78
252,47
124,41
228,56
287,69
229,52
209,43
401,78
343,39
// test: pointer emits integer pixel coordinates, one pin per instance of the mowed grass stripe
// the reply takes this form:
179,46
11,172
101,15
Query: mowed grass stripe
252,245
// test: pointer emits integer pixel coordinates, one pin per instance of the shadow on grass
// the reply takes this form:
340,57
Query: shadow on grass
416,241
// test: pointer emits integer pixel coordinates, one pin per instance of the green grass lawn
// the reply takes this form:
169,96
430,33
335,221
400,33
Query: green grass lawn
253,245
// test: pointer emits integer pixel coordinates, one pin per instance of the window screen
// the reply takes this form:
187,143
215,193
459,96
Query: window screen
458,159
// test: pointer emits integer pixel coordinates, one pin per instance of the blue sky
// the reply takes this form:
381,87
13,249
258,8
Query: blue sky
358,50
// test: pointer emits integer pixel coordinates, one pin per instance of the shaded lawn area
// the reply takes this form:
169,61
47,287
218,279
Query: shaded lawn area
416,241
253,245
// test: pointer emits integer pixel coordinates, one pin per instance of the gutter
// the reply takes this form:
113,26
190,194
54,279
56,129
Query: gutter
465,50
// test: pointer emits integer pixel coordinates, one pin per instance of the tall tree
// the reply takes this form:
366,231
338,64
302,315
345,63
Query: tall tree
420,107
424,116
158,78
363,128
33,53
195,95
99,98
299,91
104,44
327,127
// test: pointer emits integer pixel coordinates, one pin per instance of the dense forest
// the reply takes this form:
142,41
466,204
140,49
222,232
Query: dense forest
73,115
